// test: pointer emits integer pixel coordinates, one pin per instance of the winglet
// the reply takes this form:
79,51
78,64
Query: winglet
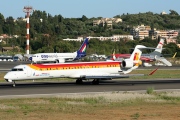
174,55
151,73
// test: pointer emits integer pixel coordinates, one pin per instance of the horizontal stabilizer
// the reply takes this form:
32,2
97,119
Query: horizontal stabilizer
162,59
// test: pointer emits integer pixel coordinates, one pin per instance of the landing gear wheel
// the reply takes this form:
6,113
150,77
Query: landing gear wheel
95,82
79,81
14,84
57,61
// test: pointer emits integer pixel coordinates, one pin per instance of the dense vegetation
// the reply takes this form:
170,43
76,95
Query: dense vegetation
47,35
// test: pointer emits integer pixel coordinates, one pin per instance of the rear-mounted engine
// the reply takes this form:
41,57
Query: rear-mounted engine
127,63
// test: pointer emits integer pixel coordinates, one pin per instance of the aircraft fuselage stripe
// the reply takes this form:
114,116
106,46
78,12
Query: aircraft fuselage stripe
73,66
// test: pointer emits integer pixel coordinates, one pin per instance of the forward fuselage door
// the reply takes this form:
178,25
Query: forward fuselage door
27,71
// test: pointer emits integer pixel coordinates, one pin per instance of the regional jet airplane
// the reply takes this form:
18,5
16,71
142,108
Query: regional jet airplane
61,57
104,70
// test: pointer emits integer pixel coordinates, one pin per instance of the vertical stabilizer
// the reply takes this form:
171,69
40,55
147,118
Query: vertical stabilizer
134,60
114,57
82,50
159,48
135,56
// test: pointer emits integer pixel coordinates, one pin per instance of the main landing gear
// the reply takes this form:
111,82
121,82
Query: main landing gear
14,84
79,81
95,82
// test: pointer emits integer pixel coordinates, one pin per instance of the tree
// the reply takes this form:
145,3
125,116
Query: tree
84,18
2,19
173,12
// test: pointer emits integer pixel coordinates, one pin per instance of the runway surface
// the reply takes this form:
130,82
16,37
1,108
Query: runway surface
49,88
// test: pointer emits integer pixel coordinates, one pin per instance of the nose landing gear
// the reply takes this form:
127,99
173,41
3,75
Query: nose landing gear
14,84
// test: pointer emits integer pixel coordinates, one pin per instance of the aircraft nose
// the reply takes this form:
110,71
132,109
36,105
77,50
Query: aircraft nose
7,77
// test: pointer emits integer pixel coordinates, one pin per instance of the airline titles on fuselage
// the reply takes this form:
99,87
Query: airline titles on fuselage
49,56
41,74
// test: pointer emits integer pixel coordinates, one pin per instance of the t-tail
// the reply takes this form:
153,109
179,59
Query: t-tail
159,48
134,61
82,50
136,55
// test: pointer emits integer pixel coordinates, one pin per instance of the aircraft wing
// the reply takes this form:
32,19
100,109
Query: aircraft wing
162,59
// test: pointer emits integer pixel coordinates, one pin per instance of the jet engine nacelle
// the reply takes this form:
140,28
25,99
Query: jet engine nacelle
60,60
127,63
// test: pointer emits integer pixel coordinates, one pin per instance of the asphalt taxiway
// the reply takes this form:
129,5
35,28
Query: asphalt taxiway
54,88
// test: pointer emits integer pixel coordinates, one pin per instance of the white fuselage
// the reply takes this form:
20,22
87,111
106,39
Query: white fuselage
27,73
48,57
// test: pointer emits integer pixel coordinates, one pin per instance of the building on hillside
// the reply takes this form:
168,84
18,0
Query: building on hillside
142,27
163,13
78,39
118,37
140,31
178,45
166,33
101,38
171,40
7,49
108,21
113,38
145,31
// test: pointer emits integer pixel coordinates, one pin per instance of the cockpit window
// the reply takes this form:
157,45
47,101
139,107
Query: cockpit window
34,56
17,69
